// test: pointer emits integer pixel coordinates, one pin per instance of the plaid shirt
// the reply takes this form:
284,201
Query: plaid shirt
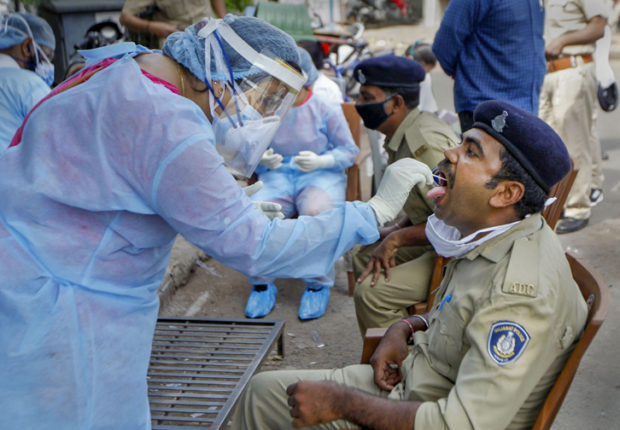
493,50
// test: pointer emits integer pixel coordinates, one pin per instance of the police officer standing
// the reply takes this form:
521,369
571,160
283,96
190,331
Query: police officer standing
568,96
388,102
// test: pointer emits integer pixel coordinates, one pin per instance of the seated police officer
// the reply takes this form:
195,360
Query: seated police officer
505,319
388,102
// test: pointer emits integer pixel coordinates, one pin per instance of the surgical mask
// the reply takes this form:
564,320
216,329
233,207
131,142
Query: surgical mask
447,241
373,114
243,146
245,127
44,68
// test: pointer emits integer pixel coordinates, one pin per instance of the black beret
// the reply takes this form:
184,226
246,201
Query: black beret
530,140
389,71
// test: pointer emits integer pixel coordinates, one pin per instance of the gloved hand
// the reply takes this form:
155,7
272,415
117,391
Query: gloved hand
272,210
307,161
398,180
271,160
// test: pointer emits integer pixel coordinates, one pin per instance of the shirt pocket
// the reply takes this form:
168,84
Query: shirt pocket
446,342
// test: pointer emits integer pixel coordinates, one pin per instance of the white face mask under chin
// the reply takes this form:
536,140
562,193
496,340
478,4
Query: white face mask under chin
447,240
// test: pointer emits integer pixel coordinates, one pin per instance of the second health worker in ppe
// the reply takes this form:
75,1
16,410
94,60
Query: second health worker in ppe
304,171
100,179
27,46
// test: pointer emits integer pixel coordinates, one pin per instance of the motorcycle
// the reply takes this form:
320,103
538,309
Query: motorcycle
376,13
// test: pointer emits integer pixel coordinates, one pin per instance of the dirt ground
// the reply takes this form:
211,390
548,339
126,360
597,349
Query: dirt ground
222,292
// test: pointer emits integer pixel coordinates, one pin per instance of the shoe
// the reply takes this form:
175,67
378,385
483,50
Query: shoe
261,301
596,196
569,225
313,302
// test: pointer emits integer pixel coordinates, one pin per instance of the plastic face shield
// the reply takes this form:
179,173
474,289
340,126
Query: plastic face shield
257,102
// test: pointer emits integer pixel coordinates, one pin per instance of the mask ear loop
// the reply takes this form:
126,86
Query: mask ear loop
232,81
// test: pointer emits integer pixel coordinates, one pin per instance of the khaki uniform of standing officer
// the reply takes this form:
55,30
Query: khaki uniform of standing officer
568,96
169,16
505,319
410,133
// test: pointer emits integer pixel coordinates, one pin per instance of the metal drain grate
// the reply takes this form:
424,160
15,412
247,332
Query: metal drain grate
199,368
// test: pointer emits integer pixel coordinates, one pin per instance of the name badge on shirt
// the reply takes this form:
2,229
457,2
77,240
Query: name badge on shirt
507,341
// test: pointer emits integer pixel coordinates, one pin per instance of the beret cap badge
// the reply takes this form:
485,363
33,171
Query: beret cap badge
499,122
360,77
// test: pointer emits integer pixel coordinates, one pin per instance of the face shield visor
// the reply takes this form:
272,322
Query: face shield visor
256,100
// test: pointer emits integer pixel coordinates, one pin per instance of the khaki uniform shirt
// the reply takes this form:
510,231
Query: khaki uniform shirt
424,137
181,13
504,322
571,15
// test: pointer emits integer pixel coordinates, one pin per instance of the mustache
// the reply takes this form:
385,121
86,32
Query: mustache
446,168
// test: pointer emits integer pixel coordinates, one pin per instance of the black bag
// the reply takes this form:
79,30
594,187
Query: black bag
608,97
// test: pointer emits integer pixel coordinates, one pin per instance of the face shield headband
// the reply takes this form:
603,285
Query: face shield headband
259,98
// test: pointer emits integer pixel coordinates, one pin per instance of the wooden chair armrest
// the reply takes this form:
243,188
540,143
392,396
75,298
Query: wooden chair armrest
371,340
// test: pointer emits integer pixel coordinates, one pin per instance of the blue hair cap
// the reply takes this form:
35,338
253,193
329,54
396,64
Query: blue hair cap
188,49
306,64
14,30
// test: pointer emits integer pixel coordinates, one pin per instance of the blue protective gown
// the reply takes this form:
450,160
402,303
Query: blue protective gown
20,91
106,175
313,126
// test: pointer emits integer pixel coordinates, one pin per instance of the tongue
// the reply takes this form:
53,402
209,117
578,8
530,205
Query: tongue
436,193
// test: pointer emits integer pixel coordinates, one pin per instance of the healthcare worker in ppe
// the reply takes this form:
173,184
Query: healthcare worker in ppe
27,46
303,171
102,176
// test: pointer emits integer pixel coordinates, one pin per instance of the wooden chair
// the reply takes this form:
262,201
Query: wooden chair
560,191
354,189
596,295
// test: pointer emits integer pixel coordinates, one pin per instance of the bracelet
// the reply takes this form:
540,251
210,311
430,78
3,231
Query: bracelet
148,26
422,318
410,326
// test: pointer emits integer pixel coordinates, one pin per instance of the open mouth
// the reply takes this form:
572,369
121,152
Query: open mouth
440,178
439,191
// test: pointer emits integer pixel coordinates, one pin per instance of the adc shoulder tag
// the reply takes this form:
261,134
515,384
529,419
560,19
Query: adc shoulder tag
522,272
507,341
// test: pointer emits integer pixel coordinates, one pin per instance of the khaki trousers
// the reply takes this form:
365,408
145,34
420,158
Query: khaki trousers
264,404
597,162
567,103
387,302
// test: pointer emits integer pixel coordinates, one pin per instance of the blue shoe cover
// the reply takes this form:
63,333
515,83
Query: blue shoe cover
261,302
313,302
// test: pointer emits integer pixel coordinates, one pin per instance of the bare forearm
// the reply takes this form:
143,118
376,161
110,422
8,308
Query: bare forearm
219,7
414,235
377,413
134,23
590,34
